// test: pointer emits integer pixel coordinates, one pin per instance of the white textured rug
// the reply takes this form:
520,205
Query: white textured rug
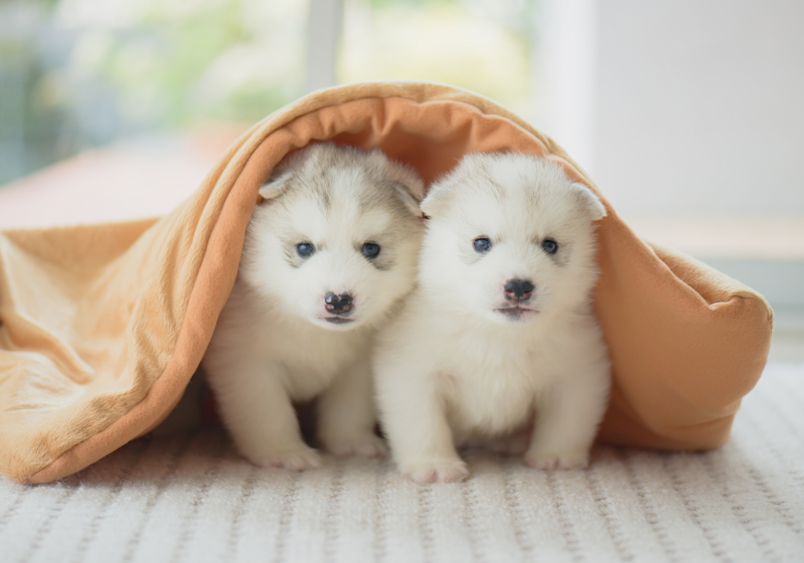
192,499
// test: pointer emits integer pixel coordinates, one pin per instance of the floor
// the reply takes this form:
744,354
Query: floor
191,498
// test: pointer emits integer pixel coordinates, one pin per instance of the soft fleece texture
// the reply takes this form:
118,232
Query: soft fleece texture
103,326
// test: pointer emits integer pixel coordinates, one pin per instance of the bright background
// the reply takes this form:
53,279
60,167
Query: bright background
84,73
687,114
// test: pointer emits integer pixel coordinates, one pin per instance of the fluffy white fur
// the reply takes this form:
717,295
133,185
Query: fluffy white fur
462,363
276,342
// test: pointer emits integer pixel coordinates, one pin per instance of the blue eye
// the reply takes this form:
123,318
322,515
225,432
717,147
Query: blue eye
482,245
550,246
305,249
371,250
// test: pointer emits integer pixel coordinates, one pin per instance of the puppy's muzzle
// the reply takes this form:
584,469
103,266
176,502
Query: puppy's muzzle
338,304
518,290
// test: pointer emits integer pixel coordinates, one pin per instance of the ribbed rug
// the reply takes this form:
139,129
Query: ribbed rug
191,498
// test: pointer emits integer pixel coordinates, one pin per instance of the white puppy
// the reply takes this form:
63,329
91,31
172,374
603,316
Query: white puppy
501,328
326,257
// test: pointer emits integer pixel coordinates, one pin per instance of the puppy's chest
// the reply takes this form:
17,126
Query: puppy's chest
493,392
487,407
312,358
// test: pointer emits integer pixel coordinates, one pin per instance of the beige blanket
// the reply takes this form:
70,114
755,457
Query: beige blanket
103,326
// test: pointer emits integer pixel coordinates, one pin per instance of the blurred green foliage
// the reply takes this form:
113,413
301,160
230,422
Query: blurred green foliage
481,45
415,3
163,65
70,79
74,74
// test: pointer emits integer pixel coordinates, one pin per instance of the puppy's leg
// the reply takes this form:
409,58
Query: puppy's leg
566,423
417,428
346,416
260,417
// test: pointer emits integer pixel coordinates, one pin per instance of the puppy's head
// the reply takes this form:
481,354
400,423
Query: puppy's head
335,242
510,238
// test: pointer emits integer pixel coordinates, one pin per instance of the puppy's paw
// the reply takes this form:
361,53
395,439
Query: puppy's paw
437,472
557,460
295,460
366,446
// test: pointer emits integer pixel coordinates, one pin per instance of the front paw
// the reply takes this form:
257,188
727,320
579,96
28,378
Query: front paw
550,460
447,471
295,460
366,446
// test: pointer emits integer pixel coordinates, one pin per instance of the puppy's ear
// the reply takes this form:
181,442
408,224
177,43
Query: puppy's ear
408,198
408,185
276,184
589,201
437,197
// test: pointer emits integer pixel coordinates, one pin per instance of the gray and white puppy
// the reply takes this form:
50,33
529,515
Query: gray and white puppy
327,256
500,330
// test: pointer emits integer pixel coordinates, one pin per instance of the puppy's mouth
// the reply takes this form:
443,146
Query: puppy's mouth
517,313
338,320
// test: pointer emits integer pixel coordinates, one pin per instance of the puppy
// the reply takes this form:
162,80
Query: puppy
500,330
326,258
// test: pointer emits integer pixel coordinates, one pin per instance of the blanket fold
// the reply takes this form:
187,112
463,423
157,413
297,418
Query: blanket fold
101,327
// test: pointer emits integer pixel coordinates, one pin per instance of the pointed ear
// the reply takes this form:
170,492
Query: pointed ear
406,182
589,200
440,193
407,197
276,184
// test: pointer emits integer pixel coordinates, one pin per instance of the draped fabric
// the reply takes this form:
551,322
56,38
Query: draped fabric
101,327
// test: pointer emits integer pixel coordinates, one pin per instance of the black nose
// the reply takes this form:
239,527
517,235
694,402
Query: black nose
518,290
340,304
